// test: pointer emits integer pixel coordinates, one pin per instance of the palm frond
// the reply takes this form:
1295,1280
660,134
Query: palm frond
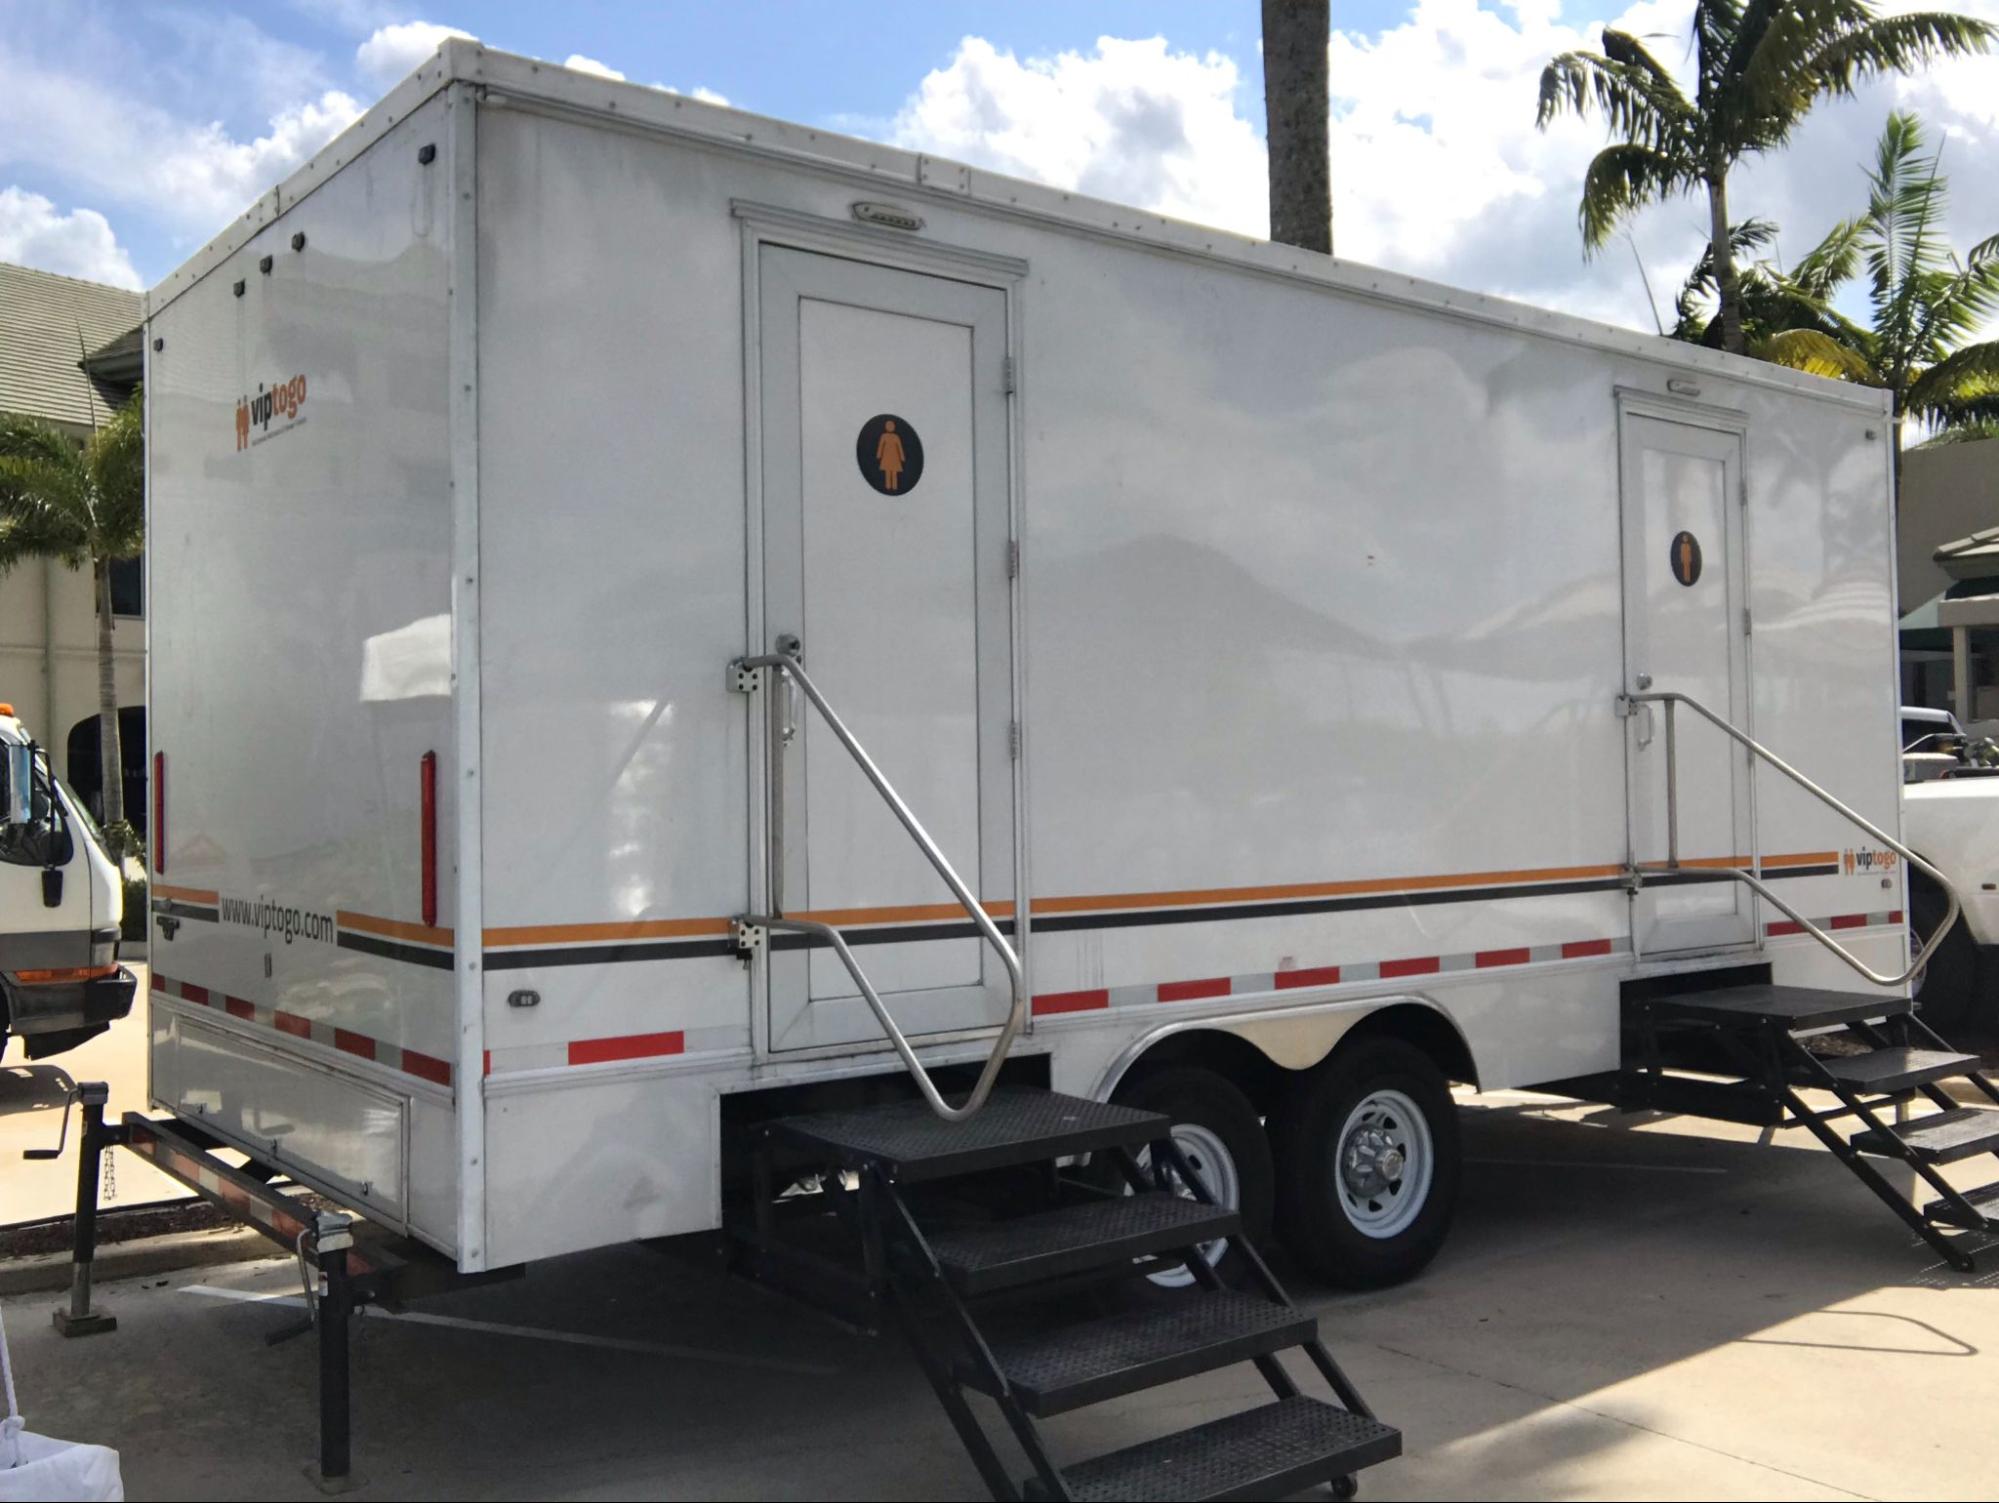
116,459
1824,268
1815,352
1625,177
1893,44
1639,100
1967,375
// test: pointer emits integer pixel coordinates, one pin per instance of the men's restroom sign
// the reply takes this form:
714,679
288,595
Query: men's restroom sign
1685,557
890,454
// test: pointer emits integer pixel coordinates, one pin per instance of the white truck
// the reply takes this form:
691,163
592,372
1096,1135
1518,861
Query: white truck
1950,814
575,510
62,900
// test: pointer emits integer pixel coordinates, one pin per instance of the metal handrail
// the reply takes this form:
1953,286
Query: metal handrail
1671,698
789,664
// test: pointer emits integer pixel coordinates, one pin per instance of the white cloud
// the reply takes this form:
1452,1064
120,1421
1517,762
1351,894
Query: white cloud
1438,169
392,53
76,244
584,64
1132,121
192,175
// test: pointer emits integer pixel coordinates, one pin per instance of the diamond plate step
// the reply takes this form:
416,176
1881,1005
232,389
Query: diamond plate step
1941,1139
1984,1200
1790,1007
1897,1069
1051,1372
1095,1234
1015,1126
1272,1452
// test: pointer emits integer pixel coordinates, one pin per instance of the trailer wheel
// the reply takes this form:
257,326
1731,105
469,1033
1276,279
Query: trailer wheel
1222,1138
1367,1164
1947,990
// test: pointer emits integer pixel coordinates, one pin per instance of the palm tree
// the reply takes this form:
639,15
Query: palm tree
81,505
1295,104
1759,67
1925,306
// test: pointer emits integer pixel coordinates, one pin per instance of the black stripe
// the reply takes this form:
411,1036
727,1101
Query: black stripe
388,949
186,910
886,934
675,949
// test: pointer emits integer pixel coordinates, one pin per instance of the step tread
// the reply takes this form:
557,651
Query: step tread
1984,1200
1272,1451
1940,1139
1017,1125
1093,1234
1896,1068
1790,1007
1056,1370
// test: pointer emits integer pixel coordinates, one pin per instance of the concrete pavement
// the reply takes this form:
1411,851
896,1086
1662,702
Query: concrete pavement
1626,1309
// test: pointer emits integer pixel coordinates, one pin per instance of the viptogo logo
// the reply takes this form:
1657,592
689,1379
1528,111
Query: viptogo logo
254,414
1870,861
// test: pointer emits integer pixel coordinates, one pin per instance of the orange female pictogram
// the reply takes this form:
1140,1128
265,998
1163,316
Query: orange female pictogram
889,456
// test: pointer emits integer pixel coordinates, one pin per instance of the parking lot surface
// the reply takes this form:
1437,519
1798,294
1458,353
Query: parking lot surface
1627,1308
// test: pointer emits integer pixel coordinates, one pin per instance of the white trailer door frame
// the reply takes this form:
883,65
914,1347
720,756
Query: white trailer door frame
886,531
1686,629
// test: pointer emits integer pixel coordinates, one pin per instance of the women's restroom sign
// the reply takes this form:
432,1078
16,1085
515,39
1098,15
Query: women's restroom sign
890,454
1685,558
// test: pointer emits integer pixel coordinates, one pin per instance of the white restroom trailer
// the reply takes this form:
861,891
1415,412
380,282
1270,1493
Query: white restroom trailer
1249,628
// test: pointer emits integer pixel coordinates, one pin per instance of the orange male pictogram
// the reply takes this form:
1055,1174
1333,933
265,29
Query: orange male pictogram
889,456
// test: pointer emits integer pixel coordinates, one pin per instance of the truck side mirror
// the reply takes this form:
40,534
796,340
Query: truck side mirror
19,771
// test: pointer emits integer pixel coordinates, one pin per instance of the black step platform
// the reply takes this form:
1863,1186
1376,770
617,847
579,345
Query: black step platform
986,1256
1984,1202
1016,1126
1051,1372
1941,1139
1269,1452
1788,1007
1896,1069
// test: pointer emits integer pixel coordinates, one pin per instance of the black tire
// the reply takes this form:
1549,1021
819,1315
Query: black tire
1311,1218
1947,991
1189,1094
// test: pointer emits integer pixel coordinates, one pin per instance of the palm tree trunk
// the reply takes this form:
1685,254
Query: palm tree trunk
110,754
1295,106
1727,290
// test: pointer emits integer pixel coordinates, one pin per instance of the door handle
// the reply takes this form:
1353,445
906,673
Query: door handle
1645,724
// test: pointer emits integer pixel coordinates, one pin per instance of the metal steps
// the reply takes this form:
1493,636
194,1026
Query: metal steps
909,1143
1054,1371
1772,1039
1271,1452
1944,1138
1897,1068
882,1173
993,1255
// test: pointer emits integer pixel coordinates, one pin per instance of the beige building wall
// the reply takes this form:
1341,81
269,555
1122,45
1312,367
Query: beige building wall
1948,493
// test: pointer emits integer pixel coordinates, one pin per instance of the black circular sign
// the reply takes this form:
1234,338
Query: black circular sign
1684,554
890,454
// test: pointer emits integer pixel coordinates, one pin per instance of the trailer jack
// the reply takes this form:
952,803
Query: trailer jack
345,1263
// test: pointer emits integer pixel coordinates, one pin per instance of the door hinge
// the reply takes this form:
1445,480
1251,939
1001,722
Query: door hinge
1745,621
1006,375
1012,559
1013,739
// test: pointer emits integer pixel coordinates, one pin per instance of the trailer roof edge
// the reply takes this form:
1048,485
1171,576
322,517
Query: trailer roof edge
937,180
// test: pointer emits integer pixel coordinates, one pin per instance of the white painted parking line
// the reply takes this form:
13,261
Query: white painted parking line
533,1333
1601,1164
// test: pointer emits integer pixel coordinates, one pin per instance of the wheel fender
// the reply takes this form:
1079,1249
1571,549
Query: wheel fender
1293,1038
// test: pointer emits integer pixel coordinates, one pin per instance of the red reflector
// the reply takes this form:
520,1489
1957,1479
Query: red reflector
159,830
429,777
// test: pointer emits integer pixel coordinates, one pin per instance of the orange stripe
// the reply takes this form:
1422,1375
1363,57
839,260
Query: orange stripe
367,923
923,913
558,934
185,894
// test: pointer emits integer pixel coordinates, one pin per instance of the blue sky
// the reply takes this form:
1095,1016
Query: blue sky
133,130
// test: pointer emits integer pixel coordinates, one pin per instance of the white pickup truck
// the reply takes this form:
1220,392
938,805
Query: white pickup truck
61,900
1950,817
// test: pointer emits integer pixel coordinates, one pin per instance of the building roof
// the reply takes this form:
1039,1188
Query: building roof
1975,557
41,315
